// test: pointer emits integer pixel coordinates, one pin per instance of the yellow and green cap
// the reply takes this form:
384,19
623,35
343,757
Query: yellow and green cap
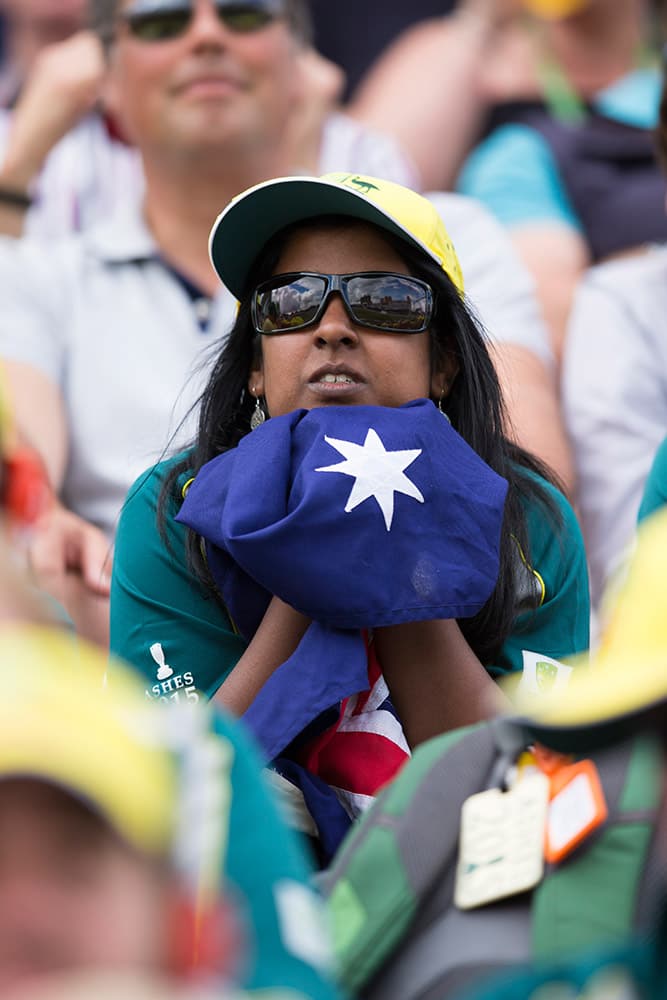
103,744
622,688
250,220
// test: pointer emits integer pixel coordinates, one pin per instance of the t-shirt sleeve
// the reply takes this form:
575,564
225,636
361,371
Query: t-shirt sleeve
559,625
163,620
286,940
515,175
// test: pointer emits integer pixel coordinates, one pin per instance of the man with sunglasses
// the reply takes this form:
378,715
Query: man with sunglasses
104,336
113,323
65,157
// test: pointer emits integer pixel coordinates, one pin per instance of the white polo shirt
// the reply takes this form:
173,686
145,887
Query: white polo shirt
103,318
615,399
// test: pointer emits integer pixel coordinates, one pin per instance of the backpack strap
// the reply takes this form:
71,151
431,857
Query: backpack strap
592,897
446,949
406,844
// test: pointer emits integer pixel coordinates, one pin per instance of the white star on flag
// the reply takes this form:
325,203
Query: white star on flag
377,472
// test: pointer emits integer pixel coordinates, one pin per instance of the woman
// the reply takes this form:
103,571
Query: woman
341,346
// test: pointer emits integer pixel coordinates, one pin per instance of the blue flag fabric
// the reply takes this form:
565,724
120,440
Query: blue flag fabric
356,516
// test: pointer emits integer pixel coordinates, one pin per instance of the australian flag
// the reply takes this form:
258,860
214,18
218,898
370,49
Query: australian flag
358,517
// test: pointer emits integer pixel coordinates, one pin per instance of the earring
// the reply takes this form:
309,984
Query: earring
258,415
445,415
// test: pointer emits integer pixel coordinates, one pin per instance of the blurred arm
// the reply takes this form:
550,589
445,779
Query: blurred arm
38,415
557,257
533,406
68,557
516,177
424,89
64,85
502,293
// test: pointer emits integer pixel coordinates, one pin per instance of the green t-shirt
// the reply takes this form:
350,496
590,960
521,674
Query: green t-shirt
630,974
266,873
655,490
284,942
155,598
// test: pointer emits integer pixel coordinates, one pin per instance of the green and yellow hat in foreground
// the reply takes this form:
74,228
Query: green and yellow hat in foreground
623,688
59,724
253,217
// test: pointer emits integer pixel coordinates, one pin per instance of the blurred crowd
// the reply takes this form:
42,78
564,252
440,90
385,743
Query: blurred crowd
395,732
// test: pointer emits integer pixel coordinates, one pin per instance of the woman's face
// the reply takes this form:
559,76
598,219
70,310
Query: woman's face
375,368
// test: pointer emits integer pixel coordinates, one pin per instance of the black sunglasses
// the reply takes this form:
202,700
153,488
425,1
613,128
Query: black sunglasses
381,300
162,20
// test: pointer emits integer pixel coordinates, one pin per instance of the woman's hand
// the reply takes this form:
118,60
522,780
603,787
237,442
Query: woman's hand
435,681
275,640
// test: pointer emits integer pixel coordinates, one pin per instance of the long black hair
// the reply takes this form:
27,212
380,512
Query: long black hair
474,405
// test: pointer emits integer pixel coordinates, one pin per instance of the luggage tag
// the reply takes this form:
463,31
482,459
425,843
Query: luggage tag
501,843
576,809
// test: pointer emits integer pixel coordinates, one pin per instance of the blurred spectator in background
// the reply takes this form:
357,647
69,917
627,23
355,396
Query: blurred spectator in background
27,27
354,33
615,392
564,94
137,838
68,157
502,293
425,88
569,163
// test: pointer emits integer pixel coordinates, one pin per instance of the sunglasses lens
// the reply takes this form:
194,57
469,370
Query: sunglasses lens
244,18
160,25
288,305
389,302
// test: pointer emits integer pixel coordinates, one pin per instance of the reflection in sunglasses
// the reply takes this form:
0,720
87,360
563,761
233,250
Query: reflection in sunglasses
378,300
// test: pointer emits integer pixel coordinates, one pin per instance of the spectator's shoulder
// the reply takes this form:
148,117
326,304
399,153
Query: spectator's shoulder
635,286
348,144
644,272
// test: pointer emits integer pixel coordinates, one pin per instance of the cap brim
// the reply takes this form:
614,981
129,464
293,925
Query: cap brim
249,221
